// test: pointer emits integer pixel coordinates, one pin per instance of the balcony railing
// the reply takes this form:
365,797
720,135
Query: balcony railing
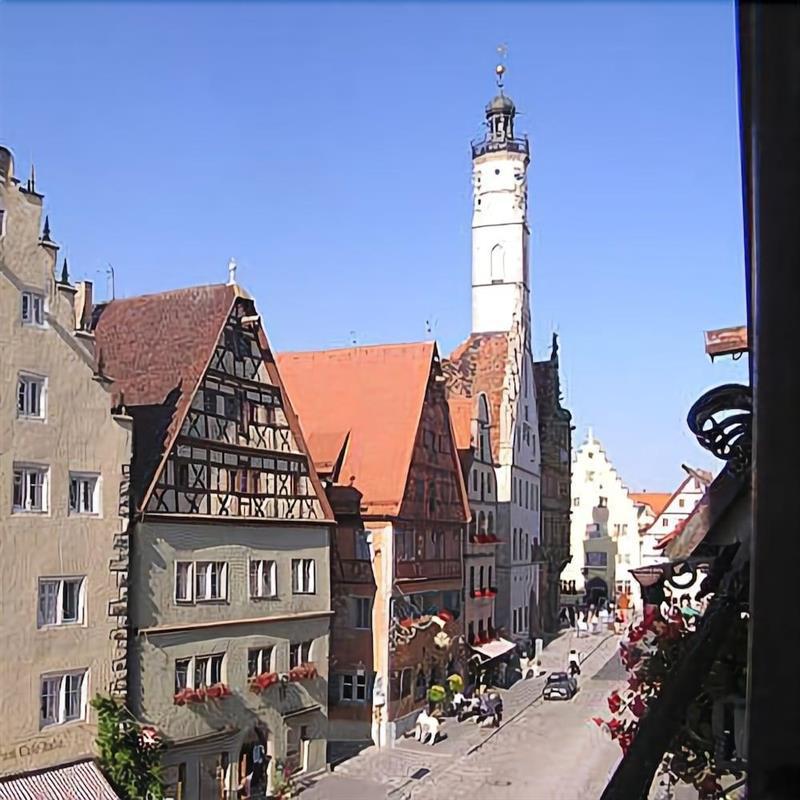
482,146
428,569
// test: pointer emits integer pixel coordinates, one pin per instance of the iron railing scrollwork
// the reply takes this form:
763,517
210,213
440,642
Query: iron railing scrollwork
721,419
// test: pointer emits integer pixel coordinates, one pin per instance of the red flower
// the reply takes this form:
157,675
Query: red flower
599,722
637,706
635,683
614,702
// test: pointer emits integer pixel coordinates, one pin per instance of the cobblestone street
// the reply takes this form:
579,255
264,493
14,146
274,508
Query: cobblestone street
543,751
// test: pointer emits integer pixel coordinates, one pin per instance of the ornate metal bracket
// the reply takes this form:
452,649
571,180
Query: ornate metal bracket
721,419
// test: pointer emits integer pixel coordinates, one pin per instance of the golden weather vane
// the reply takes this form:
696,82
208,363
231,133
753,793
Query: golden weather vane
500,69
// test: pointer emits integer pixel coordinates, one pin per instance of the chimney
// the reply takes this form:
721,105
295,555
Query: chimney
83,305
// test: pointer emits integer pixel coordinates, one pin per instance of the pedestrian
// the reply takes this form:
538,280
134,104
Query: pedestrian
582,625
574,663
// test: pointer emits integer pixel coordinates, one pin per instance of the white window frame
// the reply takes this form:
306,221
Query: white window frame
58,596
36,310
266,576
269,650
203,571
59,682
358,687
80,479
27,471
304,576
25,380
189,584
303,650
191,667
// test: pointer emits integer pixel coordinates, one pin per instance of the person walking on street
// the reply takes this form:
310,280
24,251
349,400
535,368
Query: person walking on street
574,663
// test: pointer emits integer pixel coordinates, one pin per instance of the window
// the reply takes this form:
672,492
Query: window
362,545
259,660
362,612
664,522
63,698
405,544
681,502
354,688
263,578
60,601
475,482
596,559
602,502
472,579
83,494
209,402
184,570
303,576
183,669
30,488
299,653
30,397
207,670
210,580
232,407
296,747
576,502
514,545
32,308
516,626
437,545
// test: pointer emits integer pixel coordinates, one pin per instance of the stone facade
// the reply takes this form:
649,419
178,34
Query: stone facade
64,463
555,435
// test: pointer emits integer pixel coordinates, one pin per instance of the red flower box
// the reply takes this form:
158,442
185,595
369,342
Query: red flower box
303,672
218,691
263,681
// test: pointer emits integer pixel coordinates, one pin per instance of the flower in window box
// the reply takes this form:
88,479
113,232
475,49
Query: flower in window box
263,681
197,696
407,622
446,615
218,691
182,696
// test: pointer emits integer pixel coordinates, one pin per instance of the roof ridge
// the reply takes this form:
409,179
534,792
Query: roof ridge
358,347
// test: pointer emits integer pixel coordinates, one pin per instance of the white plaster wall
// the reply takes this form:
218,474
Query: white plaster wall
501,284
594,476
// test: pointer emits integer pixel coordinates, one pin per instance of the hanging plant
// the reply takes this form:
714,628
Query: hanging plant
651,652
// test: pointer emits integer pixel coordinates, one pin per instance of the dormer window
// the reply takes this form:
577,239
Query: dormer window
32,308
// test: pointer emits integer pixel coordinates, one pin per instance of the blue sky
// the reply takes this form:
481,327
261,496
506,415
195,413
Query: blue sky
326,148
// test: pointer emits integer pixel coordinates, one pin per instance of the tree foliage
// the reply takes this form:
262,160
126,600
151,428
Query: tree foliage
130,760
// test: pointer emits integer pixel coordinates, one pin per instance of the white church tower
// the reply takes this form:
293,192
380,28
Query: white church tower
500,284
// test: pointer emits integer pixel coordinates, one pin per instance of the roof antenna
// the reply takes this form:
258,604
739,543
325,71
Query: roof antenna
353,339
110,273
428,327
231,272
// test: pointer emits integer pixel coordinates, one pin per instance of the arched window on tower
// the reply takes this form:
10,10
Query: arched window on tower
498,264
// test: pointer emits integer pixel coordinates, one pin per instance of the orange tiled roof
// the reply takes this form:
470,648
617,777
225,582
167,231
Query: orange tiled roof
477,366
462,411
374,397
656,500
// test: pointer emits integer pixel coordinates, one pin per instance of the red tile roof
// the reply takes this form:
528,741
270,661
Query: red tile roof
656,500
156,348
373,394
477,366
462,412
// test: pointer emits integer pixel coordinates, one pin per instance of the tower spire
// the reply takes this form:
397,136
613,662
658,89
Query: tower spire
231,272
500,69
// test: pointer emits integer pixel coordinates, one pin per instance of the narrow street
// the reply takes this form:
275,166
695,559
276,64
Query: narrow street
543,751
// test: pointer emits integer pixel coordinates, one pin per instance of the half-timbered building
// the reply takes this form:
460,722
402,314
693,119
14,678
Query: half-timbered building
229,597
379,430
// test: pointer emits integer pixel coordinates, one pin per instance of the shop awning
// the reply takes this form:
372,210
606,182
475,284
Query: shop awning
81,781
495,649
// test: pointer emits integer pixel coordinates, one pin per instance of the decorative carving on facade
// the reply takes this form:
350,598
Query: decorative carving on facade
118,605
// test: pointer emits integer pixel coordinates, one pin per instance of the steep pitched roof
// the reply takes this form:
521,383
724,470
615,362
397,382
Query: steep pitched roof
373,396
156,348
656,500
462,412
476,366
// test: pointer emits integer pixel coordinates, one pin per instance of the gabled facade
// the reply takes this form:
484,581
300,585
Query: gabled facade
379,429
555,436
604,534
230,597
649,505
674,512
64,465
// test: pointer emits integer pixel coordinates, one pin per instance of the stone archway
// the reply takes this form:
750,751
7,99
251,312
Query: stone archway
596,589
254,761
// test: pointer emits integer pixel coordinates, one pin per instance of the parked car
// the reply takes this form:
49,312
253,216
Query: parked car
560,686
